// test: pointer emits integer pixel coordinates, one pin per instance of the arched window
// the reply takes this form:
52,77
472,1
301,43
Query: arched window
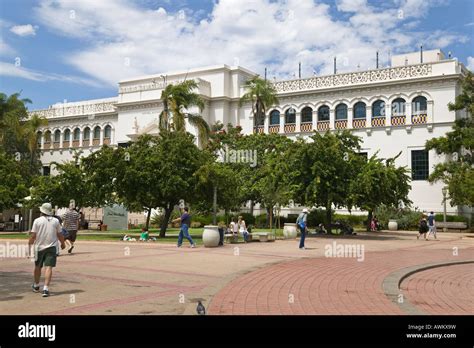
419,105
77,134
323,113
341,112
67,135
87,133
97,132
107,132
57,136
39,135
359,110
47,137
398,107
307,115
274,118
378,108
290,116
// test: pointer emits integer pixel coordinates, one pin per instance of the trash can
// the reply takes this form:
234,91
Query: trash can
103,227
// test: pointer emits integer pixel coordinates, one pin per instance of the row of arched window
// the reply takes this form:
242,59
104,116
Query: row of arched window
74,135
359,111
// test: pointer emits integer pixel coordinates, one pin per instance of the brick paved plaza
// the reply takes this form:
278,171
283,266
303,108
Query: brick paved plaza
255,278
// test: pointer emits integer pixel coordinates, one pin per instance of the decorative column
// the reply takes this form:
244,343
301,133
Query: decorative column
349,118
81,137
298,122
332,118
408,113
368,116
388,114
282,123
101,142
266,124
61,139
430,111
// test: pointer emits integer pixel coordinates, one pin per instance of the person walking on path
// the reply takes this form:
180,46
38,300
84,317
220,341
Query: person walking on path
71,224
423,227
431,226
301,223
185,220
45,233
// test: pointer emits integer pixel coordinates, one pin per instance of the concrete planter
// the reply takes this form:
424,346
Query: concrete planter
392,225
290,231
210,236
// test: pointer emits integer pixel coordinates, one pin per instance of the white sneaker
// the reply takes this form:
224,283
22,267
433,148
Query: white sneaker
193,245
303,248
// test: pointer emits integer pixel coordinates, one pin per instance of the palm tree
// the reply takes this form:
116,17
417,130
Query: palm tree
177,99
30,133
13,111
261,94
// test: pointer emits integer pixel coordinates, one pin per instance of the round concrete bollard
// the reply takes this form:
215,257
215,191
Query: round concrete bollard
289,231
392,225
210,236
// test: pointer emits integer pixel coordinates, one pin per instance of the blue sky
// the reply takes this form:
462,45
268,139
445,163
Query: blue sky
55,50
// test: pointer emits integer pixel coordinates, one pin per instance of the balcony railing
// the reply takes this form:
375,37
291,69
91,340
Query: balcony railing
359,123
398,120
290,128
340,124
378,121
419,119
323,126
306,127
274,129
258,129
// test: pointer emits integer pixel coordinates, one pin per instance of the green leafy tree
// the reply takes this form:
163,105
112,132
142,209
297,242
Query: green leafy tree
324,169
177,100
379,182
156,172
12,184
457,173
261,94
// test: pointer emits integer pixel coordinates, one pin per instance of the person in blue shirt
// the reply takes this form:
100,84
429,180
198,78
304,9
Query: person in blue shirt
301,223
431,226
185,220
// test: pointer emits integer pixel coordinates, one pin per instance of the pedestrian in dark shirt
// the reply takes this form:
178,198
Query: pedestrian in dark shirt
185,220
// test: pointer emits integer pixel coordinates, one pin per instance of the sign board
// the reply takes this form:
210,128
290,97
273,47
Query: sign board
116,217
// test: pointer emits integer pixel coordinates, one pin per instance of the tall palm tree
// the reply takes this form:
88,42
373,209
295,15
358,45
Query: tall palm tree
177,99
261,94
30,132
13,112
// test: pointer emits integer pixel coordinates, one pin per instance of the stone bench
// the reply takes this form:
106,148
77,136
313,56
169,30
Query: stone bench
231,238
261,237
452,225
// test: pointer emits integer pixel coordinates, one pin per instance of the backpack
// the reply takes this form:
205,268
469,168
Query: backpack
423,226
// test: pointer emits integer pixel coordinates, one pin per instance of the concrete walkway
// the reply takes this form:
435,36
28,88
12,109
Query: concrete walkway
254,278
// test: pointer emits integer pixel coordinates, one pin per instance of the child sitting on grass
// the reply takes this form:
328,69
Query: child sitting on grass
144,235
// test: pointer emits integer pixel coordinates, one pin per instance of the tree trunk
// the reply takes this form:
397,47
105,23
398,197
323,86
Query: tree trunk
164,222
369,220
214,206
329,217
147,225
271,216
251,207
267,218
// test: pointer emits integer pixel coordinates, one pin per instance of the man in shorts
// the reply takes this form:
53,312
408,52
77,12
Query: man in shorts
45,233
71,224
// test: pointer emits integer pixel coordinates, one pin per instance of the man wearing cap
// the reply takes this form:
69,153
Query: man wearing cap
301,223
45,233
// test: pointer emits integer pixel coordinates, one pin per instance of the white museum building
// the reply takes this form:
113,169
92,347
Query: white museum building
393,109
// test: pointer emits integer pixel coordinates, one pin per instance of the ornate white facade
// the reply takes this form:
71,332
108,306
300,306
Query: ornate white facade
393,109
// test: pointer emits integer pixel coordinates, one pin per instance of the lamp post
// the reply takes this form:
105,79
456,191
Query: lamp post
445,192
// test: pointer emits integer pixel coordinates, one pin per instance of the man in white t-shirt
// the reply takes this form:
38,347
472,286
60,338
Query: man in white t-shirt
45,233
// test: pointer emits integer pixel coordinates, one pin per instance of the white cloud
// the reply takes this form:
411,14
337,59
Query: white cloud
470,63
5,49
9,69
24,30
259,33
